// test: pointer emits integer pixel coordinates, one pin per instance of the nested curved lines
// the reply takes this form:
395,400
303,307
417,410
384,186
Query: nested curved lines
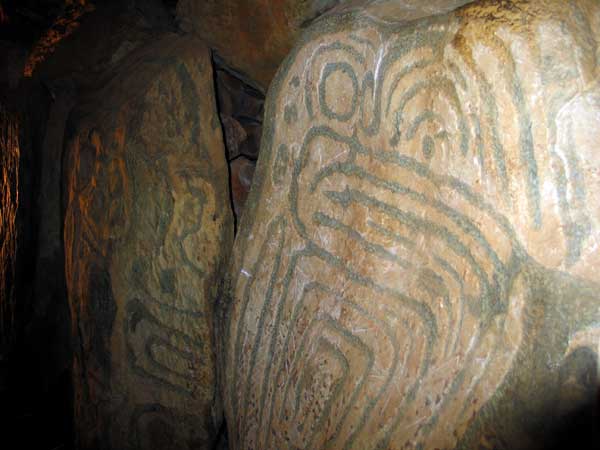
156,345
196,225
449,277
490,97
419,200
301,312
240,391
376,403
420,40
454,185
486,121
279,317
459,249
408,68
568,179
434,75
491,358
323,346
486,353
279,367
336,48
422,118
420,308
172,251
194,215
527,154
331,327
364,41
391,375
412,221
458,220
329,111
91,231
155,337
430,88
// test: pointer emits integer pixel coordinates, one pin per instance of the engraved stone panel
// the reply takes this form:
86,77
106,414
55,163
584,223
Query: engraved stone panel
418,262
148,227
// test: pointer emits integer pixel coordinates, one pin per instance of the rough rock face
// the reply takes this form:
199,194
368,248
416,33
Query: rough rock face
418,262
241,172
254,36
9,204
148,225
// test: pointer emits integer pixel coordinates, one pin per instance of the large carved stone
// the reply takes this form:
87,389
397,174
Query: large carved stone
418,260
148,225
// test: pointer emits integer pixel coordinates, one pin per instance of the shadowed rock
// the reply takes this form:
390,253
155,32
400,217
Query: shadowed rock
148,226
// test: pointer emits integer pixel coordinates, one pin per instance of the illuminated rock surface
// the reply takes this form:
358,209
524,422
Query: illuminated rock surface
148,225
418,262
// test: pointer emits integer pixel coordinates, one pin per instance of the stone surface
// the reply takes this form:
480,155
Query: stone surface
241,173
9,205
236,97
147,228
254,36
417,266
88,62
49,321
234,135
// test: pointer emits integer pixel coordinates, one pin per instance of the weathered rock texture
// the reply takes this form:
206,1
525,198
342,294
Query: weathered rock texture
241,109
9,204
254,36
147,227
418,262
241,172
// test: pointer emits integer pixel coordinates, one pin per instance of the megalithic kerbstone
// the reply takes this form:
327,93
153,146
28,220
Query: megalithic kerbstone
417,266
148,227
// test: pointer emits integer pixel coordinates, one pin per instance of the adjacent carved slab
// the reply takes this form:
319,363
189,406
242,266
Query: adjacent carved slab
418,261
147,228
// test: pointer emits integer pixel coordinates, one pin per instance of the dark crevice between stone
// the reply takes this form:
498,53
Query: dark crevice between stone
240,105
221,441
35,385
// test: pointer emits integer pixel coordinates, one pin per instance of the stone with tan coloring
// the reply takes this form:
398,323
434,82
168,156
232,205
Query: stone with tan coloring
148,226
417,265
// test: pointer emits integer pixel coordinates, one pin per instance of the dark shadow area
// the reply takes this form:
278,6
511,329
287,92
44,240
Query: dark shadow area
579,430
35,382
241,109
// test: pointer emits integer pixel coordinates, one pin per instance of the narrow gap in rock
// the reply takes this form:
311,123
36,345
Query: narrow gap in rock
222,441
240,107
